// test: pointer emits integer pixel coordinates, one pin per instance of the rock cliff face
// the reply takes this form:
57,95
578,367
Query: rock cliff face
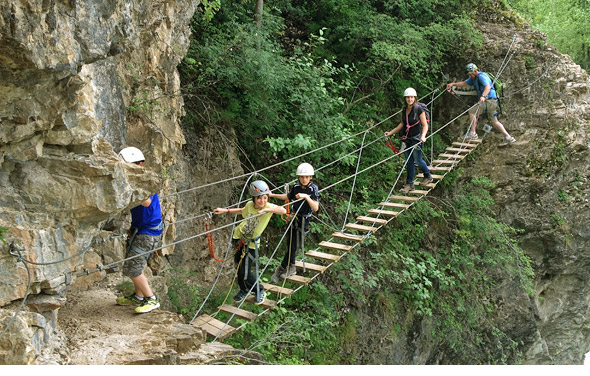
79,80
541,186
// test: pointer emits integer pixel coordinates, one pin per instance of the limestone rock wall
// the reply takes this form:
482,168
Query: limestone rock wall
541,185
79,80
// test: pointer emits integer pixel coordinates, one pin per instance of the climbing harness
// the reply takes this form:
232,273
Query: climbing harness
408,125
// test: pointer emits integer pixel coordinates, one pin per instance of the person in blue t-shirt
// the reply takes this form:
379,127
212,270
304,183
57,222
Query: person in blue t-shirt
488,100
310,194
145,236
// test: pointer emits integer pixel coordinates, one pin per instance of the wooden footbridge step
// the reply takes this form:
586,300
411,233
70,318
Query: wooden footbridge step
354,226
460,150
213,327
310,267
344,236
405,198
336,246
465,145
455,156
238,312
322,256
391,209
377,221
389,213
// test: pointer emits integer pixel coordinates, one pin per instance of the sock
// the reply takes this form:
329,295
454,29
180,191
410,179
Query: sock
139,297
508,137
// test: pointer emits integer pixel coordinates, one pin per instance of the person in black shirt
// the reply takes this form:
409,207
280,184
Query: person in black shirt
309,192
413,129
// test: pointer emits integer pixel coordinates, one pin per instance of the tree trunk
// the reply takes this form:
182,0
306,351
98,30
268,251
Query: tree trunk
258,16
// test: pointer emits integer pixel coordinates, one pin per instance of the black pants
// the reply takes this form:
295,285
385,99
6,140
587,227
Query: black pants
299,229
246,278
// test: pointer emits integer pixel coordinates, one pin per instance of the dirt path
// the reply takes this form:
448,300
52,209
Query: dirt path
99,331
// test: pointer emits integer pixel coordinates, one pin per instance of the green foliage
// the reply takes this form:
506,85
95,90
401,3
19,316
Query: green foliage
301,331
564,21
2,232
529,62
563,197
454,285
184,293
208,8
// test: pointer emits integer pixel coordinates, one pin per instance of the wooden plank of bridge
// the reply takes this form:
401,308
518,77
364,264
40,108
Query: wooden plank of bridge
277,289
468,145
455,156
242,313
418,192
438,168
354,238
336,246
311,267
363,218
435,177
394,205
299,279
429,185
458,150
355,226
405,198
446,161
322,256
213,327
389,213
266,303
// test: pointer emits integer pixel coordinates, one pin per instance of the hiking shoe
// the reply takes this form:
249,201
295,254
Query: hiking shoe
128,300
240,296
511,140
260,297
473,136
427,180
275,276
407,188
287,273
148,304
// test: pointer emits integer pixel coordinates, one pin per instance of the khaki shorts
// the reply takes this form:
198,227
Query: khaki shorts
142,243
488,108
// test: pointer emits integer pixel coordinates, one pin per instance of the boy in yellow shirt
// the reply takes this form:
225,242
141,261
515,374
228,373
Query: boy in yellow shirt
246,237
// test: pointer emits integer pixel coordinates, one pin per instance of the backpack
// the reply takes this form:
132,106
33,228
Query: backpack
497,85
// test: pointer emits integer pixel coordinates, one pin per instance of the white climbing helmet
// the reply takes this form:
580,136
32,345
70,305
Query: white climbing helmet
305,169
258,188
410,92
470,68
132,154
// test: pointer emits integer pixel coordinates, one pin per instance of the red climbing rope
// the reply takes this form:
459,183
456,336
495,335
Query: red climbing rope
208,228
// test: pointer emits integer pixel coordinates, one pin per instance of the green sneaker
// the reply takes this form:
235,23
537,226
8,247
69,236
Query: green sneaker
127,300
148,304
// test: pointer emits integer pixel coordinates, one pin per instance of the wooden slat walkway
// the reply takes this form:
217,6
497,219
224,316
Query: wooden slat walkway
334,250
